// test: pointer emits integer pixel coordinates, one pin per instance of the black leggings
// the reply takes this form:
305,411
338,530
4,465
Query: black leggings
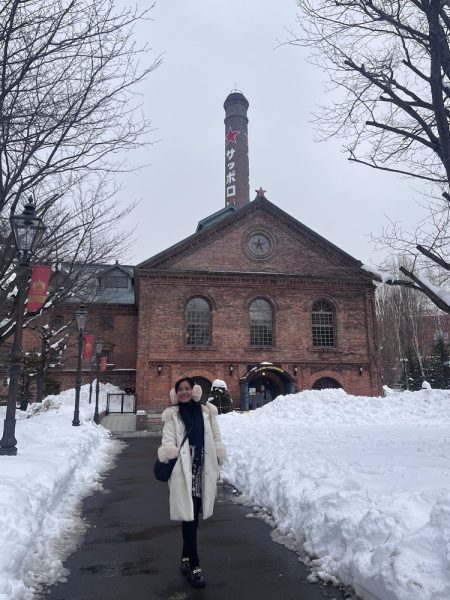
189,529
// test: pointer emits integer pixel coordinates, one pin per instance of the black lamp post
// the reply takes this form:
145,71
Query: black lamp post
90,387
98,352
92,367
81,316
28,230
405,371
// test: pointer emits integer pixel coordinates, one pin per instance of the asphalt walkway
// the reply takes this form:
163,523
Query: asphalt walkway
132,550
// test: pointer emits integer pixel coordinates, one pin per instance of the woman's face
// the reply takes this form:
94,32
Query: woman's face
184,393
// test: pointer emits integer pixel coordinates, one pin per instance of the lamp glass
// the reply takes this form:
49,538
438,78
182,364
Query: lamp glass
28,229
81,316
98,346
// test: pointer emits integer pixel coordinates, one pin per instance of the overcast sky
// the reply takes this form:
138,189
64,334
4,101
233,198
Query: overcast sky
209,48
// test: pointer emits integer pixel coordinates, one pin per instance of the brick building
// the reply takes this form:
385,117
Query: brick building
257,299
253,297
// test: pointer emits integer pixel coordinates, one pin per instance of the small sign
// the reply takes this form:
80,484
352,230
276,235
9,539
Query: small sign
230,169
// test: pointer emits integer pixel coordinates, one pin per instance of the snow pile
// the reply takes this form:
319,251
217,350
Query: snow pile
41,488
359,485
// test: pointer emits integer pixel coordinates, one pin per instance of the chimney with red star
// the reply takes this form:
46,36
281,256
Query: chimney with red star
237,189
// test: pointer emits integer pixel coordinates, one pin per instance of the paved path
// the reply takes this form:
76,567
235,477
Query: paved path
132,550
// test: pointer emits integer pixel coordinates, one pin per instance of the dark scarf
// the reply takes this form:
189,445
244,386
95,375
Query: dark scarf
192,416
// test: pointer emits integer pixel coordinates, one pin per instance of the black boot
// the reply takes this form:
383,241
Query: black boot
196,578
185,568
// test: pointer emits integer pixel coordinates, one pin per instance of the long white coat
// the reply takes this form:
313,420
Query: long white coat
180,483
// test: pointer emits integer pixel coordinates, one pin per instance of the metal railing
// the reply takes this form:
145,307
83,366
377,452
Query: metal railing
120,403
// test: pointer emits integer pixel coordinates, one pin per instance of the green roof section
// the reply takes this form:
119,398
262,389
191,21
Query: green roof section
216,217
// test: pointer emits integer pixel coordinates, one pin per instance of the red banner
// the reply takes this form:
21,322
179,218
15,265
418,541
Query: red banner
37,291
103,363
88,346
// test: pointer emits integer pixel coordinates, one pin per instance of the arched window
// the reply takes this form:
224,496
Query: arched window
261,323
198,322
325,383
323,324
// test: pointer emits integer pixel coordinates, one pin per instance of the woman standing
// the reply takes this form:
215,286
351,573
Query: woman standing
194,478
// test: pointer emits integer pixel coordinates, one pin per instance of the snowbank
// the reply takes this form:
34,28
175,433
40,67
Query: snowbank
42,487
359,485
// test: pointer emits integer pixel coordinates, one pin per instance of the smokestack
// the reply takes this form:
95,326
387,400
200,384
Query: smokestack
237,189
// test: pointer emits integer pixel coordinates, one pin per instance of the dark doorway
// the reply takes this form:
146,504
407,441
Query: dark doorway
205,384
262,384
325,383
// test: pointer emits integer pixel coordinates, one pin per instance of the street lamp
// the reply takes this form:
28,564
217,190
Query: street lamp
98,352
90,385
28,230
81,316
406,371
92,368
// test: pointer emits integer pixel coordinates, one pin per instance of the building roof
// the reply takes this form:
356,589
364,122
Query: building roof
216,217
92,289
230,219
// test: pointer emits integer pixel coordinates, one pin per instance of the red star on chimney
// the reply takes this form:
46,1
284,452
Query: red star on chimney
231,136
260,193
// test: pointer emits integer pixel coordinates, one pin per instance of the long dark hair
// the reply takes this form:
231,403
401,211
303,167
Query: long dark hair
187,410
190,381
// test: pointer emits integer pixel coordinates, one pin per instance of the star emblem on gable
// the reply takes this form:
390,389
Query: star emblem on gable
230,136
259,245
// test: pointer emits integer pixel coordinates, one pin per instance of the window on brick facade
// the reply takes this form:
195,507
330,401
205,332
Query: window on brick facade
323,326
325,383
198,322
115,281
107,322
108,353
4,359
54,358
261,323
57,322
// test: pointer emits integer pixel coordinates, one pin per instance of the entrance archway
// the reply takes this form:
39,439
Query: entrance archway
205,384
325,383
262,384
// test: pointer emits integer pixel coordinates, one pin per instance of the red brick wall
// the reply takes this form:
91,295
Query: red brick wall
121,340
292,252
216,264
161,332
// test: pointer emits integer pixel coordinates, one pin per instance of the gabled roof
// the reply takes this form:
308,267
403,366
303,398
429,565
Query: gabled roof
91,290
260,204
116,266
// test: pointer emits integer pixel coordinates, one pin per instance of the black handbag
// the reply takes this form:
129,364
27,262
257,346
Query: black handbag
163,470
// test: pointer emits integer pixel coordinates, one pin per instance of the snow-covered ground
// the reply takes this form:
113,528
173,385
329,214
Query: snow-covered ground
359,486
41,488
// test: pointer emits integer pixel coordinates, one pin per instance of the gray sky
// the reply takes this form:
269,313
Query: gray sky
209,47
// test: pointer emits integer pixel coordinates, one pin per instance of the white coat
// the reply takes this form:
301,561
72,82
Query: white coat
180,483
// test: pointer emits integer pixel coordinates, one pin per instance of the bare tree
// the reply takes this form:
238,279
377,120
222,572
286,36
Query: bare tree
390,60
69,71
400,311
68,74
53,344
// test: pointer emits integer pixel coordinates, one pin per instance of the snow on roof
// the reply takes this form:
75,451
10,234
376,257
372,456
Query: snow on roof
383,276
